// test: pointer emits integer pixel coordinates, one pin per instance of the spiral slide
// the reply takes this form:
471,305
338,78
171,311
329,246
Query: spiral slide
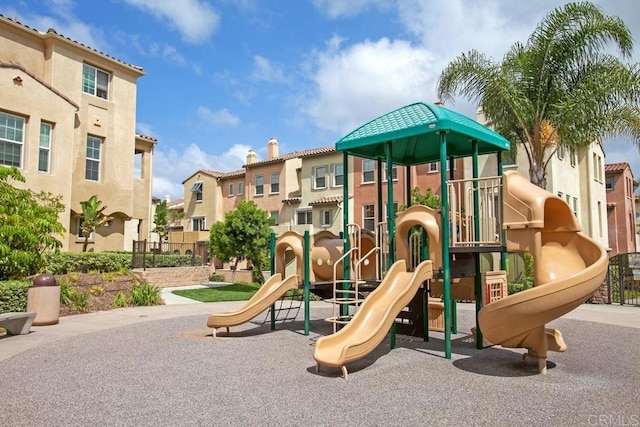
569,267
373,319
269,293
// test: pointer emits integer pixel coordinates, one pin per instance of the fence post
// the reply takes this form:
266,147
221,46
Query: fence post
153,252
193,254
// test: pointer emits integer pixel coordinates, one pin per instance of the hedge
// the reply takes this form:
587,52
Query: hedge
13,295
106,262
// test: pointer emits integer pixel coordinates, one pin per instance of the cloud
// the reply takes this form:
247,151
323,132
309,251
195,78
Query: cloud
218,118
267,71
171,167
195,20
353,85
340,8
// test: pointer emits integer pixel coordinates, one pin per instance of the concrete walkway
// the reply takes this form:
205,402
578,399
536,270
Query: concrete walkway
160,366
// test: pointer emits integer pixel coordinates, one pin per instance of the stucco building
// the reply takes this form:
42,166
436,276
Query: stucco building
67,121
621,208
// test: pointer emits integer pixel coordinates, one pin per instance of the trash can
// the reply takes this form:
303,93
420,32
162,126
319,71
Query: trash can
43,297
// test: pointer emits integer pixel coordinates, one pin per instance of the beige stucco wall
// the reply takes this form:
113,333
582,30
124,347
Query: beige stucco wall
57,61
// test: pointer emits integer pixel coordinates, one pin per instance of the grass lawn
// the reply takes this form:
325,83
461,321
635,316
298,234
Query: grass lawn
241,291
235,292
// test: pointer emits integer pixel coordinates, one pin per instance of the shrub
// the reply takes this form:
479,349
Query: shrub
84,262
79,300
13,295
145,294
514,288
65,291
217,278
96,290
120,301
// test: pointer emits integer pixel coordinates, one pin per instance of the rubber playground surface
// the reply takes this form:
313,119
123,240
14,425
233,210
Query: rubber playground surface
160,366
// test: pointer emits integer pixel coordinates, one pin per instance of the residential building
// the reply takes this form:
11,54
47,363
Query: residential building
621,208
67,121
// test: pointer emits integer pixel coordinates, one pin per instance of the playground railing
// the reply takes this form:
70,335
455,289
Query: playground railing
475,211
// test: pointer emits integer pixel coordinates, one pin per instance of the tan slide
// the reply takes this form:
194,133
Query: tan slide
272,290
569,267
373,320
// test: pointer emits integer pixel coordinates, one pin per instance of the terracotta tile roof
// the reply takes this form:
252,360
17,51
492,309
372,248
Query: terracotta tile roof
327,200
53,33
147,137
175,203
296,199
293,155
233,174
18,66
615,167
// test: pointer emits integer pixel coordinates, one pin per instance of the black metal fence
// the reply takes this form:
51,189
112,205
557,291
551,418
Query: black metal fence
623,279
165,254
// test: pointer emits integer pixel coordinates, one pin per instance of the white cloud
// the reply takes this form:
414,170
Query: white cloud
172,167
265,70
196,20
218,118
358,83
341,8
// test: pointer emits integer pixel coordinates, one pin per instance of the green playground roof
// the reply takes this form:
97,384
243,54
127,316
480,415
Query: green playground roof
414,132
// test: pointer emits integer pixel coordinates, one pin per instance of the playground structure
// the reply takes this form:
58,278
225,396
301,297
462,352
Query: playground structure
423,250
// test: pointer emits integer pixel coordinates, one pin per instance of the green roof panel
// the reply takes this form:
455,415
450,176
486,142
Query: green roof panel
414,132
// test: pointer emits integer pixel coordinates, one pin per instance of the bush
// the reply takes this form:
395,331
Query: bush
514,288
13,295
145,294
217,278
85,262
120,301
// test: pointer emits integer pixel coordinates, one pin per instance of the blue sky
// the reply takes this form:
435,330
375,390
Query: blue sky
224,76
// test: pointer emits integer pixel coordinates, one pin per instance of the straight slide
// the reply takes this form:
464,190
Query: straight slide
373,320
268,294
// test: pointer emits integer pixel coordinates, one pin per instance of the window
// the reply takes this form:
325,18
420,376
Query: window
198,223
92,170
394,173
575,206
197,189
560,152
95,81
231,189
275,183
11,139
44,153
319,177
560,194
240,188
276,217
303,217
368,217
338,174
326,218
434,167
573,157
367,170
259,185
610,182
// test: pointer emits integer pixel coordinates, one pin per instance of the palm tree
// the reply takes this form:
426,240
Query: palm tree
560,90
93,217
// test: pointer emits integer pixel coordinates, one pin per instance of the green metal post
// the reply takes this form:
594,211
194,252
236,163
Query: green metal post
272,252
476,231
454,306
306,254
391,224
344,310
408,185
446,271
425,294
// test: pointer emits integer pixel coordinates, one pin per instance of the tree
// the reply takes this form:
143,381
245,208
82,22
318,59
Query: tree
560,90
429,198
93,217
244,234
28,226
161,220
